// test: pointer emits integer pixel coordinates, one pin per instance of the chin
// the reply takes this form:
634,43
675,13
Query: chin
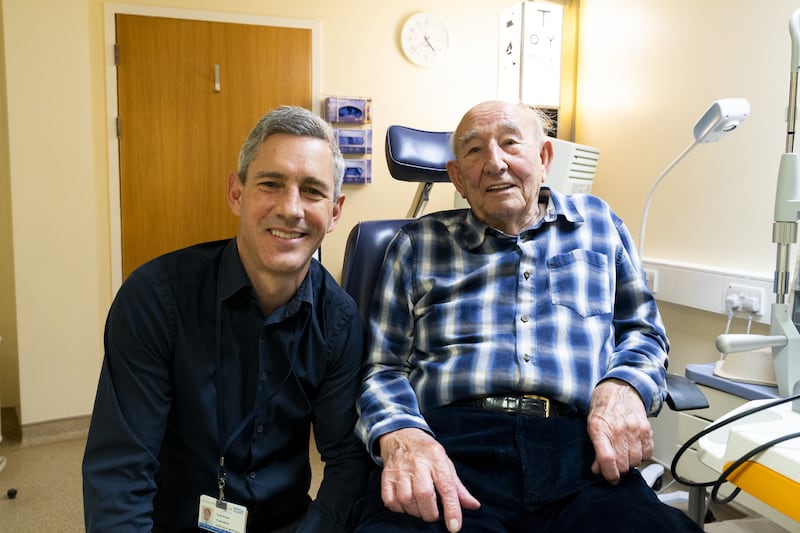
288,266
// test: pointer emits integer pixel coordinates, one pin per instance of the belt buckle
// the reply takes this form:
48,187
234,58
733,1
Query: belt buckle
541,399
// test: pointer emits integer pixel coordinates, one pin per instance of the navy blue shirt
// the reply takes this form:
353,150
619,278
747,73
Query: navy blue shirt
160,423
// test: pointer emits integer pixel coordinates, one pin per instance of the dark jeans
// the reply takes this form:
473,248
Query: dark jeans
531,475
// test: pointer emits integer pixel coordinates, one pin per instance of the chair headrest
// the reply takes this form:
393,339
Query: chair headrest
416,155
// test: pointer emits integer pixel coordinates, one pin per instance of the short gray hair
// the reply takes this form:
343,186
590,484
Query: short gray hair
542,121
292,120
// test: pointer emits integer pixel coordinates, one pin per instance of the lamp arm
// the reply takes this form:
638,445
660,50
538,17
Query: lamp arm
643,226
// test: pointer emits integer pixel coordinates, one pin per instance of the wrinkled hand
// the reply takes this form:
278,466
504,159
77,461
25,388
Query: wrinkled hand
415,469
619,429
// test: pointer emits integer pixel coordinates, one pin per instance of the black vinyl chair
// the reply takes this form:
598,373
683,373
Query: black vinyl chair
418,156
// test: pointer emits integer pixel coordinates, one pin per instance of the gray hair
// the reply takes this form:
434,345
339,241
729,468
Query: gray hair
293,121
542,121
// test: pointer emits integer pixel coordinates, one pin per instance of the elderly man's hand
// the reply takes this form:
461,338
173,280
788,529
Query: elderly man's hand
416,468
619,429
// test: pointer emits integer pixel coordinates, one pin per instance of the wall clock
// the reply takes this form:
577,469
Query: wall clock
424,39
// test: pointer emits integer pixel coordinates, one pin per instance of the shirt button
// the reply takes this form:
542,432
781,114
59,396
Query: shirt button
526,357
264,376
526,275
252,475
260,429
525,318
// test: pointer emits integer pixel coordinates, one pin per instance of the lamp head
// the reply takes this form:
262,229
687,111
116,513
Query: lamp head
722,117
794,33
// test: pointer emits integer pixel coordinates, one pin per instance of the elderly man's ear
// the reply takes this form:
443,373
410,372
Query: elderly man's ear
546,155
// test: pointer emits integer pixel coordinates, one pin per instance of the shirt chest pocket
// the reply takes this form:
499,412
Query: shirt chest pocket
580,281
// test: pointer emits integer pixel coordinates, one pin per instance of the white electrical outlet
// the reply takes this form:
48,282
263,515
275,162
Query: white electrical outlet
749,299
651,276
706,287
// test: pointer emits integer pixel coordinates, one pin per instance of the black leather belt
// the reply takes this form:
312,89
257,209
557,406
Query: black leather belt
526,404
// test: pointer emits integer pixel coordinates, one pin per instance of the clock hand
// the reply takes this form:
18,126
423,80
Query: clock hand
428,42
423,44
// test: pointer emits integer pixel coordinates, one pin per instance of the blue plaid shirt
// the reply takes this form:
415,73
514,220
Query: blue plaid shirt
462,310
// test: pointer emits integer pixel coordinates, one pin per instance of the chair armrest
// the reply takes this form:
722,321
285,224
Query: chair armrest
683,394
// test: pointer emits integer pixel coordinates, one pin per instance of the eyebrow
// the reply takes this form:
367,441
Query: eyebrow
304,180
465,138
505,126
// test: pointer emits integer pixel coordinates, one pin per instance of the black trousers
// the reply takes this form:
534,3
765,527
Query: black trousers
530,474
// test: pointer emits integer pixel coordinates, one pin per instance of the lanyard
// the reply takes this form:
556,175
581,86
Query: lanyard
223,442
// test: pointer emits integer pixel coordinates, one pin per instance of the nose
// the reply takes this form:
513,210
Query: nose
495,163
291,203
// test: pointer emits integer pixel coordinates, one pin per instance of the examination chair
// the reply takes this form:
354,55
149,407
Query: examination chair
421,156
411,155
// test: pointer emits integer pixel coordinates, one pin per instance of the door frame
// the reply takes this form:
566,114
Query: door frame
110,34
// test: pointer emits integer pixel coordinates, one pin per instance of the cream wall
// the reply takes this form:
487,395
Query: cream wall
648,69
8,322
56,222
58,233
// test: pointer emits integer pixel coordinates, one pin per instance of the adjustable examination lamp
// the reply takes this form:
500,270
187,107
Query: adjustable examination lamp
721,118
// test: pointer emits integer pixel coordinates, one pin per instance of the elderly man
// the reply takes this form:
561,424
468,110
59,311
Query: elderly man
515,355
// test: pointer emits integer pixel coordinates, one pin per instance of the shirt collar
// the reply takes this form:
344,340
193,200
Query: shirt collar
234,278
472,232
560,205
233,275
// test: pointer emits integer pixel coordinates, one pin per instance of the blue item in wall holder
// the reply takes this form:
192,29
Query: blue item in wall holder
348,110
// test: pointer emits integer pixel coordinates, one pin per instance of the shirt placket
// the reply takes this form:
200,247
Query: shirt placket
524,315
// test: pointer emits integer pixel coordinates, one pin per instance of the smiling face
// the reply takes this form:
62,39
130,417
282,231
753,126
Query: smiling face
502,157
286,205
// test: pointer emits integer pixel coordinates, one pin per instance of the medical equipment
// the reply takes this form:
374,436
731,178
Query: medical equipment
784,338
418,156
721,118
573,167
745,447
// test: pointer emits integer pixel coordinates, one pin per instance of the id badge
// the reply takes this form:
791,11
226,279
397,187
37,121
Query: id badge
221,516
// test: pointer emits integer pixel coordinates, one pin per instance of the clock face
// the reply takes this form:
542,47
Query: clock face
424,39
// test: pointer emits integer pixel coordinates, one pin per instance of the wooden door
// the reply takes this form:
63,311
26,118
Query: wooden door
180,133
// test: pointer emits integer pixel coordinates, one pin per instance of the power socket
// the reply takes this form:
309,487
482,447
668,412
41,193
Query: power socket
750,299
